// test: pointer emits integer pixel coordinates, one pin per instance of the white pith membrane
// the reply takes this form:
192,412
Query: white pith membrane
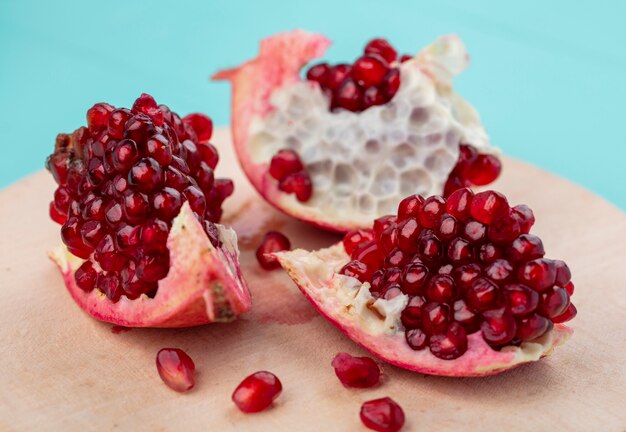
204,283
361,164
375,323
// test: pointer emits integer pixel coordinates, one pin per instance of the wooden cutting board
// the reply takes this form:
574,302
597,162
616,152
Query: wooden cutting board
63,371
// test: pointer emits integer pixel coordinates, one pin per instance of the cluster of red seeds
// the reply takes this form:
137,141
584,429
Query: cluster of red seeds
468,264
287,168
373,79
122,180
472,169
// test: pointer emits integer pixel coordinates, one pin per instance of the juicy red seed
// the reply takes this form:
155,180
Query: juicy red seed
359,372
86,276
196,199
489,252
397,258
554,302
388,239
416,339
522,300
159,149
430,248
257,392
459,203
411,316
459,250
109,284
372,96
483,294
348,96
563,273
467,156
319,73
504,229
569,287
532,327
408,231
117,120
474,231
176,369
127,237
569,313
356,270
298,183
139,128
201,124
487,205
56,215
383,223
154,235
498,327
414,278
125,154
356,237
369,71
273,241
485,169
526,247
405,57
391,84
146,104
392,275
337,75
166,203
431,211
448,227
435,317
441,288
152,268
539,274
92,232
135,206
208,153
526,217
382,48
449,345
466,274
409,207
285,162
382,415
98,117
391,291
191,154
146,175
499,271
113,213
466,317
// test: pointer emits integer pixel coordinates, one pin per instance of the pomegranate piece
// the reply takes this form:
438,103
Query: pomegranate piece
257,392
358,139
273,241
359,372
135,194
382,415
176,369
454,311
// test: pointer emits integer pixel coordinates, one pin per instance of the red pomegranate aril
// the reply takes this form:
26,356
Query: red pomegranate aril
522,300
117,120
459,203
382,415
411,315
159,149
408,232
201,124
273,241
208,153
127,237
190,153
337,75
382,48
154,235
466,274
569,313
499,271
369,71
391,275
563,273
98,117
298,183
376,281
396,258
489,252
388,239
483,294
357,372
319,73
525,216
448,227
135,206
152,268
484,170
569,287
257,392
459,251
539,274
196,199
441,288
526,247
372,96
391,291
356,269
70,233
176,369
405,57
532,327
113,213
368,253
431,211
285,162
504,229
409,207
146,175
139,128
466,317
449,345
109,285
430,248
475,231
56,215
498,327
554,302
487,205
414,278
92,232
356,237
166,204
86,276
416,339
382,223
391,84
348,96
435,317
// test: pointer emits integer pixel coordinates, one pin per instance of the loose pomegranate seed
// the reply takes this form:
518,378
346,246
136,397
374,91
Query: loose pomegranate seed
176,369
359,372
273,241
285,162
382,48
382,415
257,392
298,183
201,124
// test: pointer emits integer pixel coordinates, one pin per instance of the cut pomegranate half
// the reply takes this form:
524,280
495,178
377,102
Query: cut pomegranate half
343,145
139,206
454,287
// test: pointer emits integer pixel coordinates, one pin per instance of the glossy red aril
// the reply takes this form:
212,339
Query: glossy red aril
360,372
382,415
176,369
273,241
257,392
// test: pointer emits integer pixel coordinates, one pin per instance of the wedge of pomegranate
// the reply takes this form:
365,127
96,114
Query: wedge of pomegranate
454,287
344,144
139,206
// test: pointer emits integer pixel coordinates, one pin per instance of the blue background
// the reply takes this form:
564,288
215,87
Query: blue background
547,77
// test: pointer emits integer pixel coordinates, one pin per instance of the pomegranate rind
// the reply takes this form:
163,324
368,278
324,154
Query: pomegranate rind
346,303
263,86
204,283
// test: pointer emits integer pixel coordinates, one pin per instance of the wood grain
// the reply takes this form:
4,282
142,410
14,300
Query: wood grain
61,370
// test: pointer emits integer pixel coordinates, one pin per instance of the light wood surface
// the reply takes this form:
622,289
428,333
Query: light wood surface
63,371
